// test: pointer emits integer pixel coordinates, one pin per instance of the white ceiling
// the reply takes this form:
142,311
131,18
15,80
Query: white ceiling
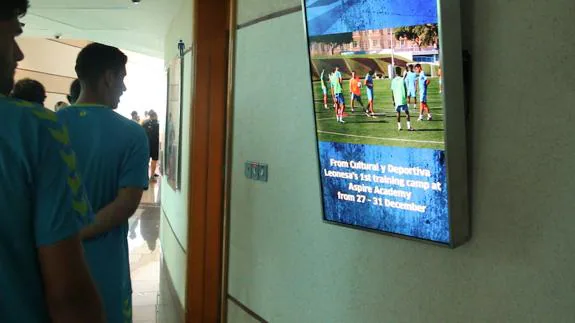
140,28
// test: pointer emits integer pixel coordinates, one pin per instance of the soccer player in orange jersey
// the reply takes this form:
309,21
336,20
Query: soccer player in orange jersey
355,90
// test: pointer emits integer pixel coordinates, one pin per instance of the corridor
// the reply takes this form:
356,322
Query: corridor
145,257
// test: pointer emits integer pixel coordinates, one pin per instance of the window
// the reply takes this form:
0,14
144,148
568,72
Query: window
355,44
374,43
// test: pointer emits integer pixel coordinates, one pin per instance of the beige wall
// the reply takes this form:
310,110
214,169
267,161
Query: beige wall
49,62
52,63
289,266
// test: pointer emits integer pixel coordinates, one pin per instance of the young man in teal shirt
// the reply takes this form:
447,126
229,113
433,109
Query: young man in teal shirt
43,272
113,157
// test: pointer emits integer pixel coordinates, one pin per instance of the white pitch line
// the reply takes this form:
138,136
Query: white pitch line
379,138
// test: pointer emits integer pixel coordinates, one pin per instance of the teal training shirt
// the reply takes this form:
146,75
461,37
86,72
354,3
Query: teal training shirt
112,154
43,203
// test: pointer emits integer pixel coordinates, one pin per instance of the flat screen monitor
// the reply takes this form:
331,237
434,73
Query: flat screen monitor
387,79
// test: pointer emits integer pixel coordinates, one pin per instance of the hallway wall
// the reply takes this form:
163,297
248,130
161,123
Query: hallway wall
52,62
40,64
288,266
174,226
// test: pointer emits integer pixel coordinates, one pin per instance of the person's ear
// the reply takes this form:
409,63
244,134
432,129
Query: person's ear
109,78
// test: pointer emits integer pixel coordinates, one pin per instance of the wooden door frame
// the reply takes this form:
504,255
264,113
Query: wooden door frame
210,120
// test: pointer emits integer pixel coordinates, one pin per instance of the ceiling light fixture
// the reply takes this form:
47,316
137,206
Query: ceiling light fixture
136,1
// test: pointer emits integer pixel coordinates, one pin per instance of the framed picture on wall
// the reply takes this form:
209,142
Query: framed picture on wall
172,137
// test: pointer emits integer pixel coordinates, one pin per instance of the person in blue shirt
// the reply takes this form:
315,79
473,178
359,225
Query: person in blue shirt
411,85
369,91
113,157
43,273
423,83
323,88
74,91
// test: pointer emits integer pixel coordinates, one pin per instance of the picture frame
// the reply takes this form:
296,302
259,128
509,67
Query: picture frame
173,126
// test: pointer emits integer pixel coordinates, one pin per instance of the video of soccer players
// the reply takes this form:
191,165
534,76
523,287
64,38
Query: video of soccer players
376,72
376,76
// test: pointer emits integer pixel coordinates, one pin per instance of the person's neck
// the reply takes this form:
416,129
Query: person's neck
91,98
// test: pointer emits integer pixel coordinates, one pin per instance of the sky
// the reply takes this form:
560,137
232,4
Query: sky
326,17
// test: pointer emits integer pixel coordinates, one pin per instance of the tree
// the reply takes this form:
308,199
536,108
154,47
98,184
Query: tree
334,40
422,35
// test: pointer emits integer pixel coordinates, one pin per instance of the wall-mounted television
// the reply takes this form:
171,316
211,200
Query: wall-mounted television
387,79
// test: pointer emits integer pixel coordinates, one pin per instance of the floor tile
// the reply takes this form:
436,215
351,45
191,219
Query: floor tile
144,313
145,299
145,255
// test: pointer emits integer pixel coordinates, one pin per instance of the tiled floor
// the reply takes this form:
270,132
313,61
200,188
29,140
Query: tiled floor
145,255
152,195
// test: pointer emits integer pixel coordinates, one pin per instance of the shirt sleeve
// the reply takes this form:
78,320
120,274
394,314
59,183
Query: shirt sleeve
134,172
61,205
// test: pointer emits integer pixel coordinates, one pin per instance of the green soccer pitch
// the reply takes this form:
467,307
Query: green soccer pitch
361,129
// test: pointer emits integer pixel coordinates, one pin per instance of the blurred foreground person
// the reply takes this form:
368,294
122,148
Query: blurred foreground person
43,274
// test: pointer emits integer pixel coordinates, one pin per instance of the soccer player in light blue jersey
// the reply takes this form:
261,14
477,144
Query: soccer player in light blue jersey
370,95
423,83
323,88
43,273
336,84
411,84
113,157
399,97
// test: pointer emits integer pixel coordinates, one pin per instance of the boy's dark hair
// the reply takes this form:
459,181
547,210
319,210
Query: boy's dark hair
29,90
96,59
417,65
75,89
10,9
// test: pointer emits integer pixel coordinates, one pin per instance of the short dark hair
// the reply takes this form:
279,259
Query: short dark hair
134,112
417,65
75,89
29,90
10,9
96,59
398,70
